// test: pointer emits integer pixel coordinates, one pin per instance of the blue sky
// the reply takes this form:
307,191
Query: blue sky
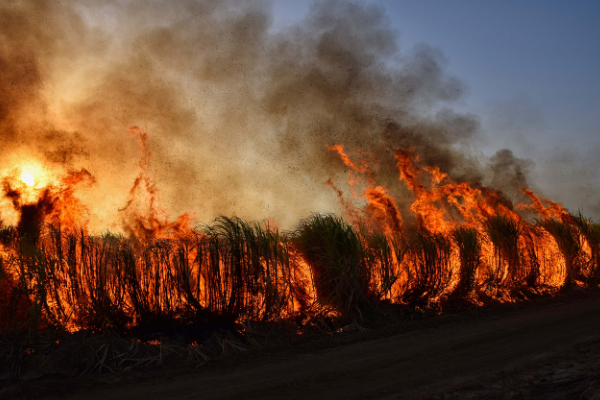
532,69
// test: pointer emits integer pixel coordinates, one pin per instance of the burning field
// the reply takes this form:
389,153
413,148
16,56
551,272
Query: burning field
115,118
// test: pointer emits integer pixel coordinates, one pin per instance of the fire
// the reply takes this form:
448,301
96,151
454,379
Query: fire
27,178
412,233
453,241
33,175
485,241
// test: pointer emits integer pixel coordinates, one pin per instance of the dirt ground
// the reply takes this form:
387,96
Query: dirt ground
549,350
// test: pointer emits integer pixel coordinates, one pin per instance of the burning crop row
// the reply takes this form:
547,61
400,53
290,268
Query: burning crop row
251,119
423,222
236,271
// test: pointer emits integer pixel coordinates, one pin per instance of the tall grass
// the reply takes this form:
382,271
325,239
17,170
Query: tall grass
337,259
383,256
568,242
244,270
469,246
235,271
504,233
428,263
532,264
591,233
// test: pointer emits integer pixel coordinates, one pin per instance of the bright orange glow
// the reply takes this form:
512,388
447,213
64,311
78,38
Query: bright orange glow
27,178
33,175
418,239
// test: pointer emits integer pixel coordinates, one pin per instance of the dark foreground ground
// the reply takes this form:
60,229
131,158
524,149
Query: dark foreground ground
548,349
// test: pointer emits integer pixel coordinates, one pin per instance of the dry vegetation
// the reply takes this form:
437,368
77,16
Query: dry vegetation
232,274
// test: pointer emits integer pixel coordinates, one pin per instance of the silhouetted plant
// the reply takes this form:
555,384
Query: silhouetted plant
469,247
336,257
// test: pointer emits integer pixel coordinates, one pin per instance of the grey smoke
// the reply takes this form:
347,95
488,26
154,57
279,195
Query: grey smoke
239,114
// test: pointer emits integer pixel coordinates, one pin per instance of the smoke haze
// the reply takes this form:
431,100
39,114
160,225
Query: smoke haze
239,115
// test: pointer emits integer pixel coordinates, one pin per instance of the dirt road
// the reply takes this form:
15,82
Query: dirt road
418,364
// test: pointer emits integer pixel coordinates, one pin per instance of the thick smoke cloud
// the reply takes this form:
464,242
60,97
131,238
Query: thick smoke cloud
239,114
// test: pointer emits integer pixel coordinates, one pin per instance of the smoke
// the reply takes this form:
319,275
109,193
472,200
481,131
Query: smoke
239,115
509,173
571,176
